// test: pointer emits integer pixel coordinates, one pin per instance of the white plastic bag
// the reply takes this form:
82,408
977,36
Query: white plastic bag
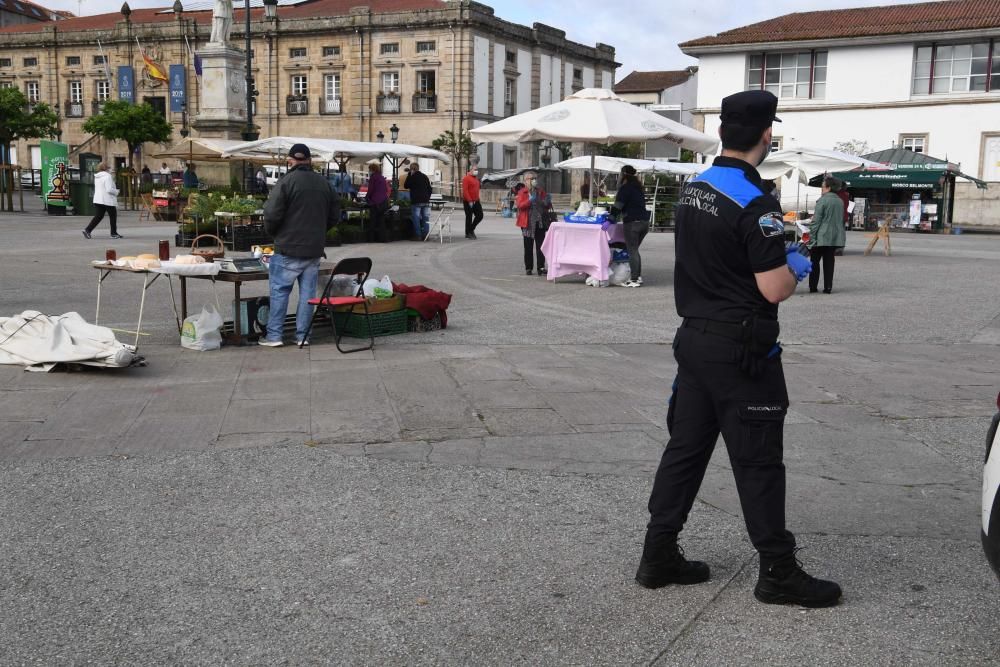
370,286
202,332
619,273
386,284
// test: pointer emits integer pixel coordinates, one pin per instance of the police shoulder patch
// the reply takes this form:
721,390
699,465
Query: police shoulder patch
771,224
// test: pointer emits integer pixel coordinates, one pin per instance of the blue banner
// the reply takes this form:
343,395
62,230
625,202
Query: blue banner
178,88
126,84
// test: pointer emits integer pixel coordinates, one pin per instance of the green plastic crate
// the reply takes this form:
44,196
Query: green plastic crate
382,324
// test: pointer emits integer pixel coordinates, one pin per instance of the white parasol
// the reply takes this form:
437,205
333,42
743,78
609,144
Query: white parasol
593,115
802,163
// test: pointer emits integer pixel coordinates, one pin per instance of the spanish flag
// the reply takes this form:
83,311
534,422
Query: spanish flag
154,69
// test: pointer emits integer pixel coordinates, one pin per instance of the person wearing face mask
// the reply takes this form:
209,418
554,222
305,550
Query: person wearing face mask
732,269
470,201
533,204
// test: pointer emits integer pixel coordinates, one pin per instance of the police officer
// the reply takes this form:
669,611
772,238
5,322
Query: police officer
732,270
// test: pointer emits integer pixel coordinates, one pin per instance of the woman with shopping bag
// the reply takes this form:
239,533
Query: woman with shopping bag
105,201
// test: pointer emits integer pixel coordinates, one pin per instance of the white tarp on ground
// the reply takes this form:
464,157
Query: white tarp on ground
39,342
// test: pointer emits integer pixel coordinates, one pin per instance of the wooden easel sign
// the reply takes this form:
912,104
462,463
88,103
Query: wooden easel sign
882,233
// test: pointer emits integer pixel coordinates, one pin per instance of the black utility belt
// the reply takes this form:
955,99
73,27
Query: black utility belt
732,330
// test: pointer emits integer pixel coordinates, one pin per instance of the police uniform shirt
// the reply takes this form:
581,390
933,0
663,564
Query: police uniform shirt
727,229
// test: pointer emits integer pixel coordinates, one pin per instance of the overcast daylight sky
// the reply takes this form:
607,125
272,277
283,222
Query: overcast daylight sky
645,33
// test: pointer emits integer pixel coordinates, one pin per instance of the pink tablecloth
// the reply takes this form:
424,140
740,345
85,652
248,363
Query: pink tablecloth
572,248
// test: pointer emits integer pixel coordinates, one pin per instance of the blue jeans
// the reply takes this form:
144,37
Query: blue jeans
284,272
421,217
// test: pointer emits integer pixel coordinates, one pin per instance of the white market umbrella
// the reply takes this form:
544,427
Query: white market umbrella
596,116
615,164
200,149
802,163
330,150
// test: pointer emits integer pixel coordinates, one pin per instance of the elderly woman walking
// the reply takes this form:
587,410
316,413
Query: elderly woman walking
826,233
533,204
105,201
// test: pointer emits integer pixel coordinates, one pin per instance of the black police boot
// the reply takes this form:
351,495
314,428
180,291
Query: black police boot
667,565
785,582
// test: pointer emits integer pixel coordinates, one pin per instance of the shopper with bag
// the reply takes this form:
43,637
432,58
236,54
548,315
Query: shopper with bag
534,207
420,201
105,201
298,213
630,203
826,233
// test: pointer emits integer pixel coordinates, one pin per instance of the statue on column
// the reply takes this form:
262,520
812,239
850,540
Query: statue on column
222,22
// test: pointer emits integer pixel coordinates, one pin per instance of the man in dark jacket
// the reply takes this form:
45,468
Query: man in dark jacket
298,213
420,201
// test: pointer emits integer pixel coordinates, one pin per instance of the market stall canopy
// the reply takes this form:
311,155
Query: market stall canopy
615,164
331,150
201,150
594,115
500,176
901,169
809,162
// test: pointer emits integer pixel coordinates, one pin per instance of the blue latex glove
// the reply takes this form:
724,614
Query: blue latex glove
799,264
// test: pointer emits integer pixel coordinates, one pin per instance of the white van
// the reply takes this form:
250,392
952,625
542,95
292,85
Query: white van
274,172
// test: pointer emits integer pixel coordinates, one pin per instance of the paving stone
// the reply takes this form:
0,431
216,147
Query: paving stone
257,440
526,421
166,433
30,404
594,407
362,425
266,416
93,415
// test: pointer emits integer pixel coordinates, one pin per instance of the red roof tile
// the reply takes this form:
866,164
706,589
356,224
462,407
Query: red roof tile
645,82
311,9
925,17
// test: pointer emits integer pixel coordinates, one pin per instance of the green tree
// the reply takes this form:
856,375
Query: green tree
621,149
135,124
18,121
458,147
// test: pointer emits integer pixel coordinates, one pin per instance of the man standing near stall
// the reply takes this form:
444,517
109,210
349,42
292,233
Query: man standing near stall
732,270
298,213
470,201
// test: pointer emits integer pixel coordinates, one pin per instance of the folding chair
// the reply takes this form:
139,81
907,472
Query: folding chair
356,266
148,207
442,222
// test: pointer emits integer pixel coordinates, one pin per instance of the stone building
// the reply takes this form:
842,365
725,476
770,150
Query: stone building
323,68
18,12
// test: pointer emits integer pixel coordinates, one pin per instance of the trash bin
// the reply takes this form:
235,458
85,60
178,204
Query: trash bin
81,195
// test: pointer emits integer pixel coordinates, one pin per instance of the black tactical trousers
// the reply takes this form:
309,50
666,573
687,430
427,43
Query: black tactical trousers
714,396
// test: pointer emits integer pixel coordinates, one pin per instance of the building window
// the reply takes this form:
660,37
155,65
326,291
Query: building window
509,96
103,90
6,84
799,75
297,52
72,61
511,58
426,47
331,93
76,92
776,143
509,158
577,74
31,62
425,100
31,89
5,62
100,60
956,68
390,83
389,49
300,84
331,51
913,142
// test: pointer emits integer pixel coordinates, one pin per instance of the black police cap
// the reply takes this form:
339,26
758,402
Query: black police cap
750,108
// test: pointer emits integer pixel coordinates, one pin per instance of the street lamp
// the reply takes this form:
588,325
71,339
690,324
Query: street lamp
250,133
271,9
394,133
126,11
380,136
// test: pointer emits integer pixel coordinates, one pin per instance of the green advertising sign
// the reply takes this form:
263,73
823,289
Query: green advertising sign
55,173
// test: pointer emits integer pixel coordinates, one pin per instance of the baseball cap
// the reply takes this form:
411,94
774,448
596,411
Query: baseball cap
750,108
299,152
629,170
